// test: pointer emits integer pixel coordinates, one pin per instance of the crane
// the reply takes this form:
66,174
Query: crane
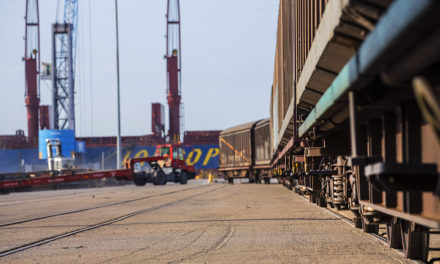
32,68
71,16
63,60
174,67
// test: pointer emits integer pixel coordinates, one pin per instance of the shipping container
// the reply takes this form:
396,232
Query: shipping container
146,140
206,137
17,141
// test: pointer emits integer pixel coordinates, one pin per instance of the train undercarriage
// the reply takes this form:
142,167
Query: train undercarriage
384,171
255,175
331,181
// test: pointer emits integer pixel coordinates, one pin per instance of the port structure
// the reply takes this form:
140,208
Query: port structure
32,68
63,61
174,67
157,119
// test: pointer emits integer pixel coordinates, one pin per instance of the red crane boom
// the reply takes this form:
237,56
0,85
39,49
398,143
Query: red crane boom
32,68
174,67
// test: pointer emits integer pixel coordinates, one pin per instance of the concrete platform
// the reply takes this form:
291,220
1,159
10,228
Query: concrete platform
196,223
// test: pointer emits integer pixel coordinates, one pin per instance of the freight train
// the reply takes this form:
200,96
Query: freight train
355,113
245,152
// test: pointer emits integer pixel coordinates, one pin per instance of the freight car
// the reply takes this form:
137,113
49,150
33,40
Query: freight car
355,112
245,152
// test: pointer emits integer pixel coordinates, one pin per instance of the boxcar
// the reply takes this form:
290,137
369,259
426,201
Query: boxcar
262,150
245,152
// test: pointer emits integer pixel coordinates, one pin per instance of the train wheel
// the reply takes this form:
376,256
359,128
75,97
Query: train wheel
257,179
415,240
321,201
291,184
312,198
369,228
394,238
357,222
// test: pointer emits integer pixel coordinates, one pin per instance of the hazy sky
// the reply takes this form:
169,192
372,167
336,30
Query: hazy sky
228,49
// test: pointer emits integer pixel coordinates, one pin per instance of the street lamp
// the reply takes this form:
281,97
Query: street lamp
118,138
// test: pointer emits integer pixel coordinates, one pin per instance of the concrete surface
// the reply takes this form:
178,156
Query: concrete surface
197,223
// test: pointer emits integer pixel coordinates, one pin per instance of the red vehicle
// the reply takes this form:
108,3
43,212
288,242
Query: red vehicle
174,164
169,165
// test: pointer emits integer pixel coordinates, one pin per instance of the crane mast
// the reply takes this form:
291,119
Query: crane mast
174,66
63,61
32,68
71,16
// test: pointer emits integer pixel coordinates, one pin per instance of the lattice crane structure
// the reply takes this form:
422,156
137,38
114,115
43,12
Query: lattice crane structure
63,60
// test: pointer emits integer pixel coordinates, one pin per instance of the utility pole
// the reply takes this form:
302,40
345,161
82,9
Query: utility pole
118,138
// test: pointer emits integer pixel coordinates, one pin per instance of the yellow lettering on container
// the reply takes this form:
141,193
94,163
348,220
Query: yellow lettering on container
126,156
141,154
210,155
190,160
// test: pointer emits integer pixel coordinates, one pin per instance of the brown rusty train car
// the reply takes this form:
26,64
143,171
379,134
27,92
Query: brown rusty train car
355,112
245,152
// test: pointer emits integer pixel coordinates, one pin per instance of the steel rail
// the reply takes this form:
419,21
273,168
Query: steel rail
345,219
95,226
351,222
95,207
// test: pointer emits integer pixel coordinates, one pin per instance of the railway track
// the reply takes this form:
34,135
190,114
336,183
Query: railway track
92,208
347,220
379,237
43,198
351,222
104,223
382,238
